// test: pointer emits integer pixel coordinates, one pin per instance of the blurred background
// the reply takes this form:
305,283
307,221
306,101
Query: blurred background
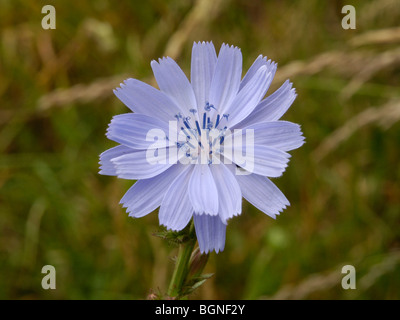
343,184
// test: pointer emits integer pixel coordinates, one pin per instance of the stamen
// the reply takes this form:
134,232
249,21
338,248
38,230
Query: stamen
217,122
190,145
223,136
198,127
178,116
193,141
209,106
186,124
188,134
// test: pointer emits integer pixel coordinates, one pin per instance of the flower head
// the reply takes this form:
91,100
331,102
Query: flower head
197,147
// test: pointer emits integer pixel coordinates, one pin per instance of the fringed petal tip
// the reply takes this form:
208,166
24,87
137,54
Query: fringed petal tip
203,43
210,232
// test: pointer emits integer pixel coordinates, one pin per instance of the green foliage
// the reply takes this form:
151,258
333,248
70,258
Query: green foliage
173,237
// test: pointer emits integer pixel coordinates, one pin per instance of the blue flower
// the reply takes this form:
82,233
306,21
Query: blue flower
197,173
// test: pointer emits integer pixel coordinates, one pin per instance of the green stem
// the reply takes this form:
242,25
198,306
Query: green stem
182,264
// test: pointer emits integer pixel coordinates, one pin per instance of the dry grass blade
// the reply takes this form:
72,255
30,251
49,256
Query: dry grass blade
385,60
385,116
202,13
313,283
80,93
327,280
364,64
379,269
378,10
377,37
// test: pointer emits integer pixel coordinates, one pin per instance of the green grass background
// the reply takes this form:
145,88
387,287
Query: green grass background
56,103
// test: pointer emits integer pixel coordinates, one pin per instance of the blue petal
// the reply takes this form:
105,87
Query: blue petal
203,64
131,130
106,166
176,209
271,108
136,166
262,194
203,192
210,232
229,194
226,80
144,99
258,63
265,161
282,135
146,195
249,97
172,80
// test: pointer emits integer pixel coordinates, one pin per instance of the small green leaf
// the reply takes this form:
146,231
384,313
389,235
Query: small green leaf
173,237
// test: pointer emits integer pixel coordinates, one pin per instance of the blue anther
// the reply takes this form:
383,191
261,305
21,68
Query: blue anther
198,127
186,124
217,122
178,116
209,106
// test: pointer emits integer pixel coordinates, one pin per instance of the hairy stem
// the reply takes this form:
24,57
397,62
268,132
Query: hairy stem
182,264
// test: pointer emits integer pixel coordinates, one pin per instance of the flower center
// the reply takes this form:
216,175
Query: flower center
200,139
